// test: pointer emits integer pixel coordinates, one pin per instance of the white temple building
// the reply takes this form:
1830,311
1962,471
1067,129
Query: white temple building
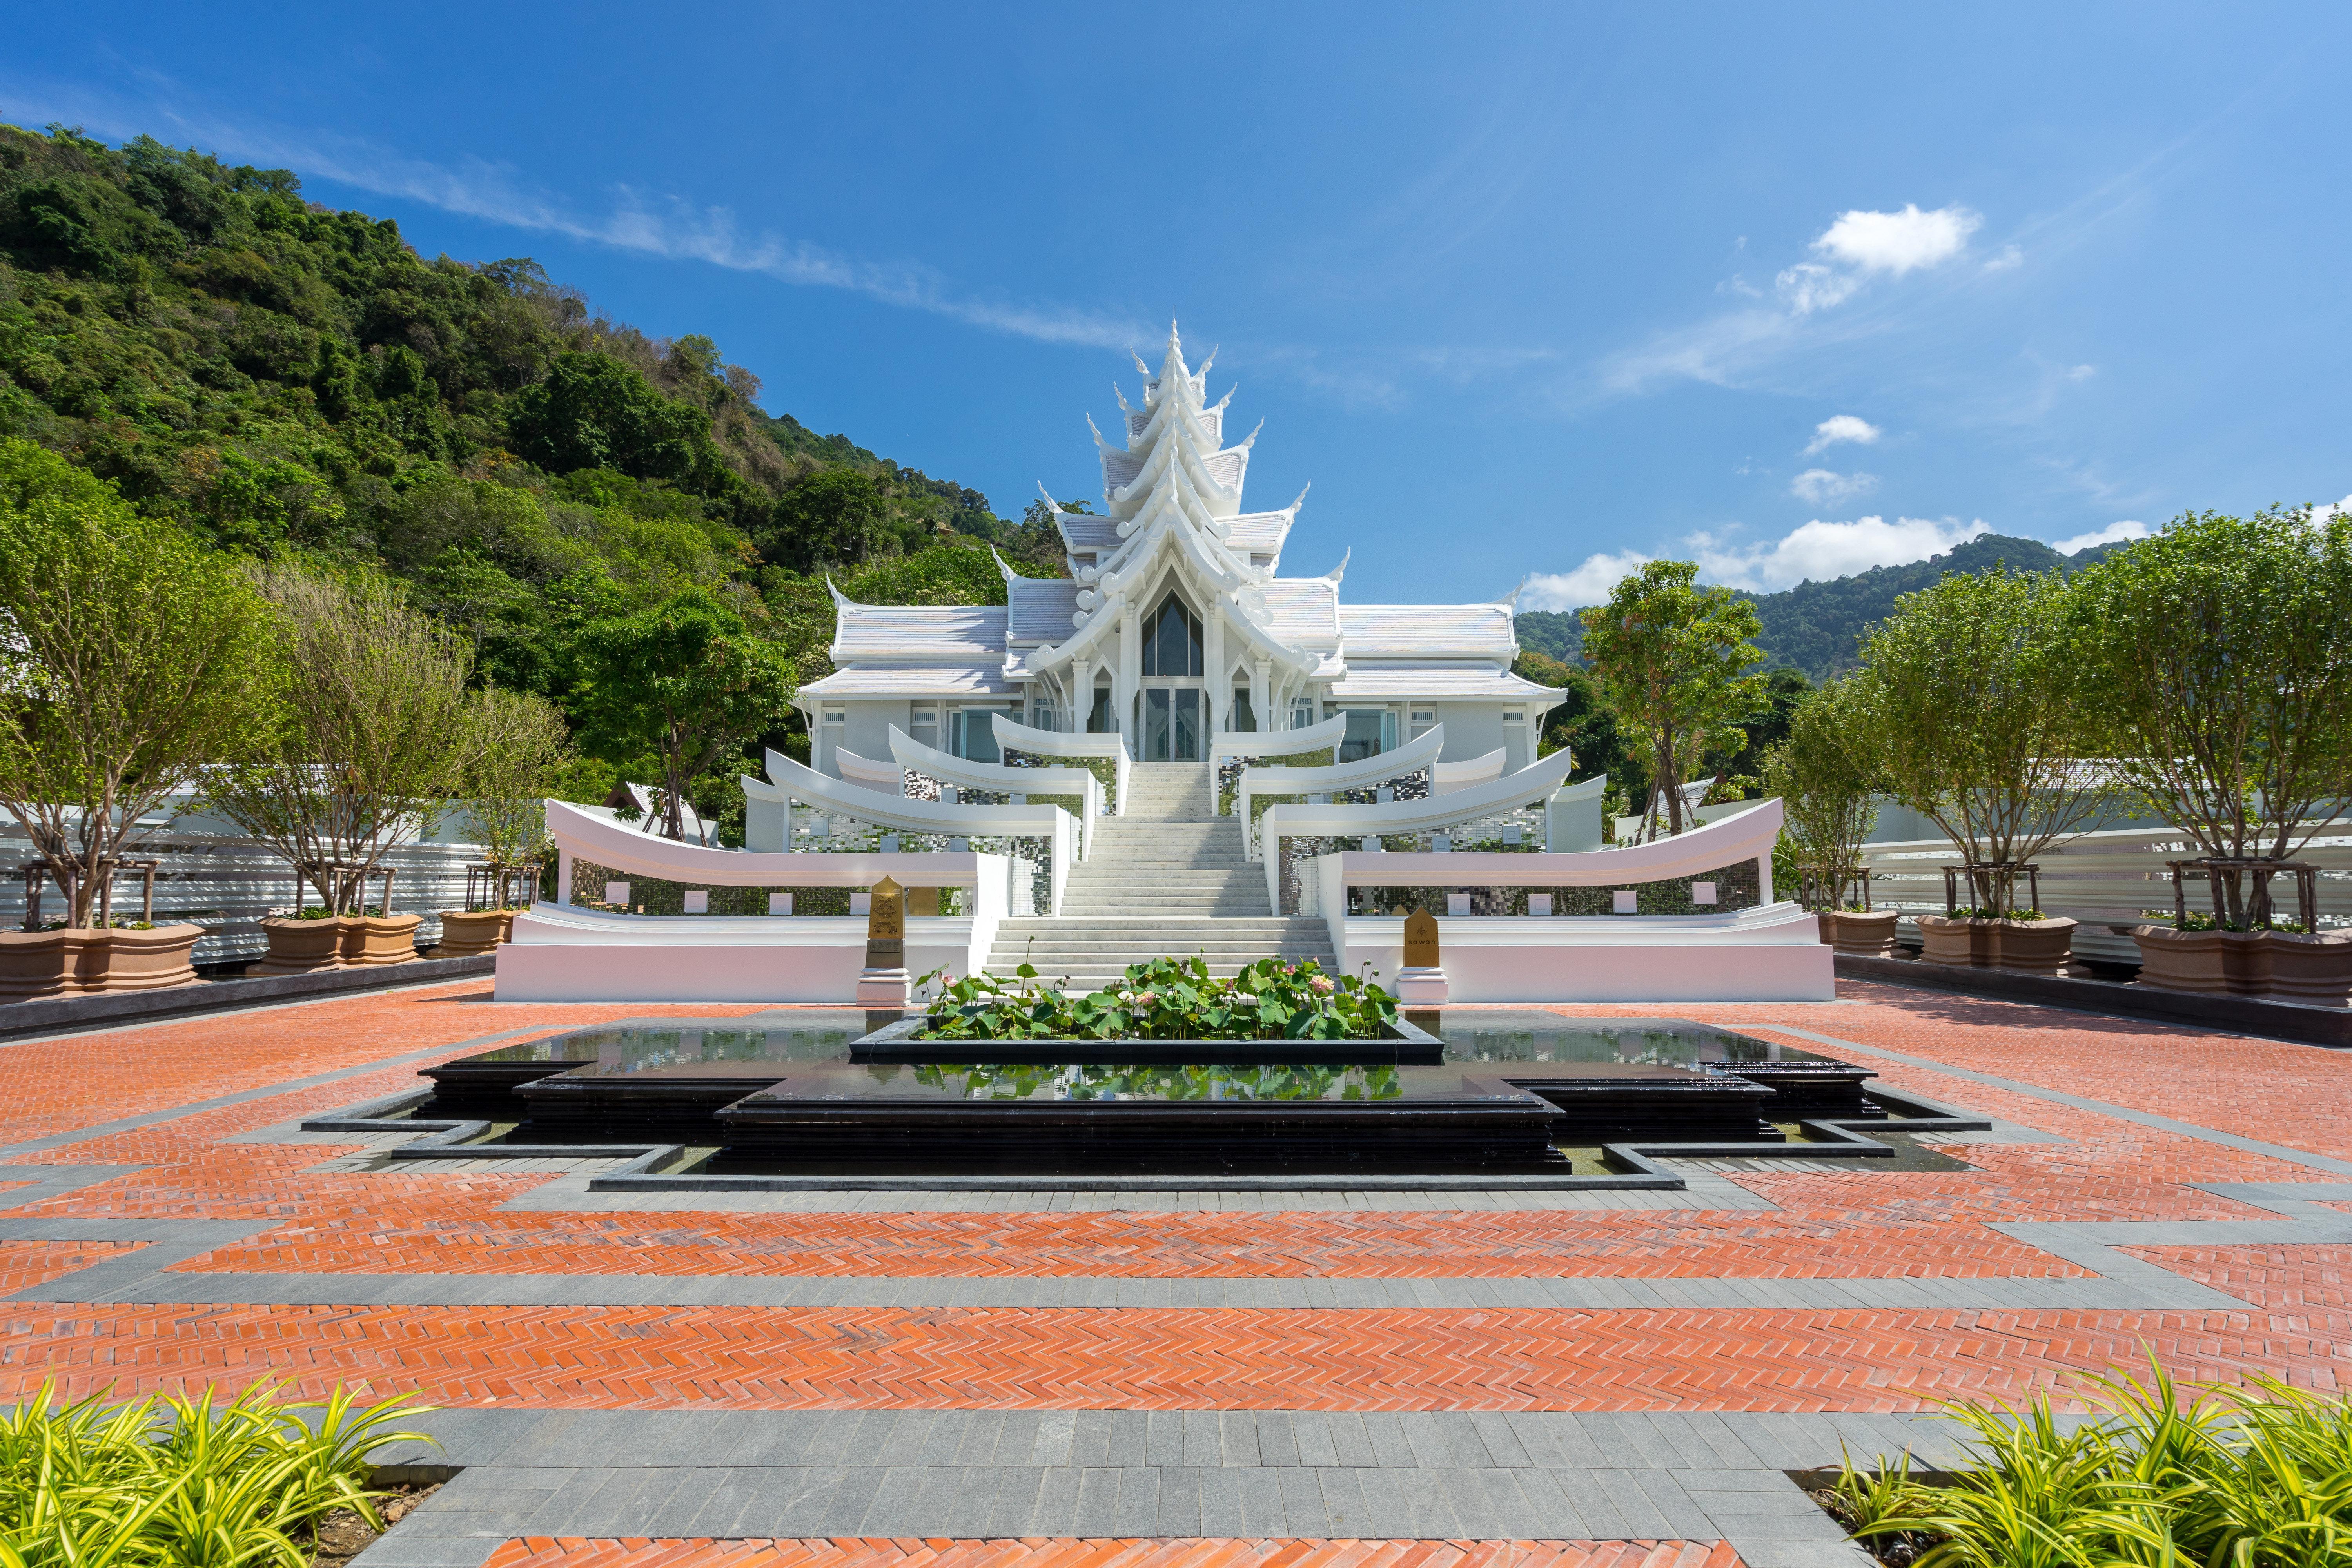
1175,624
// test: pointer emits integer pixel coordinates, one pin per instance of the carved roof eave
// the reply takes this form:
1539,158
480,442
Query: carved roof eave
1100,626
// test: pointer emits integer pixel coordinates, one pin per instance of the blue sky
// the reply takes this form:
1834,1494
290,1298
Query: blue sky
1794,289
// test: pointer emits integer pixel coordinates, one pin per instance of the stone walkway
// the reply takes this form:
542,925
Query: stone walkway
1095,1380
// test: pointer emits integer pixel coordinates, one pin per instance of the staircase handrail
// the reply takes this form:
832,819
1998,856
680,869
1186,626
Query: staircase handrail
965,773
1410,757
793,781
1106,744
1223,743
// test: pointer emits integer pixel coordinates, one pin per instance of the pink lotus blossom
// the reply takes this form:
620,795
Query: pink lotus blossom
1147,998
1321,983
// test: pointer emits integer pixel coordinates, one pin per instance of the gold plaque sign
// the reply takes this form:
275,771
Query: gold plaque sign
1420,940
885,927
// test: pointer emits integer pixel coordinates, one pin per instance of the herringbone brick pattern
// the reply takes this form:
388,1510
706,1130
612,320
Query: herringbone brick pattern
1666,1245
543,1551
1151,1359
2268,1090
2316,1280
24,1264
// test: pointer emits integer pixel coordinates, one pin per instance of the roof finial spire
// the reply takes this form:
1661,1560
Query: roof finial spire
1175,343
1051,504
1204,373
1138,362
1009,572
1341,570
1251,440
1292,509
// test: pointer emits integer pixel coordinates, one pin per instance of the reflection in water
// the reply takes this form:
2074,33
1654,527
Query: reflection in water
1156,1083
1549,1037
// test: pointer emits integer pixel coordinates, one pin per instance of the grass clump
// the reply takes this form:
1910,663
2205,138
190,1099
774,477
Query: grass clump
2224,1479
183,1481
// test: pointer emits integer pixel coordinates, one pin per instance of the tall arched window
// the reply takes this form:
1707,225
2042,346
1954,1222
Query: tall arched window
1172,640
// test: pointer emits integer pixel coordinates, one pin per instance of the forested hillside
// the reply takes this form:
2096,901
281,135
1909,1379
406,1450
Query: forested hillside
286,378
1813,627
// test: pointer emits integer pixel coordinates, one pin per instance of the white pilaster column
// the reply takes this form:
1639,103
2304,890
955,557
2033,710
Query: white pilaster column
1130,673
1082,690
1214,678
1261,693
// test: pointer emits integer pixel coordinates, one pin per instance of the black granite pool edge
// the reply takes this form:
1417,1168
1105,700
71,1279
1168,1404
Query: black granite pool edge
644,1168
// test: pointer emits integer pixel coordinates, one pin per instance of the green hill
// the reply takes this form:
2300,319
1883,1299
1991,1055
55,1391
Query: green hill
1813,627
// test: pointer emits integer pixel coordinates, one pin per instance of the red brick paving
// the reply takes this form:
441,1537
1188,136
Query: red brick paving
1151,1358
24,1264
572,1552
1854,1224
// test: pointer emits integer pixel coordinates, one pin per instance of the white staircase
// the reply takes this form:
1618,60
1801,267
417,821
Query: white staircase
1168,879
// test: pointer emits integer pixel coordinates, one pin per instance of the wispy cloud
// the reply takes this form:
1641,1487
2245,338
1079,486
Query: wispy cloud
1840,427
1859,248
1822,487
646,223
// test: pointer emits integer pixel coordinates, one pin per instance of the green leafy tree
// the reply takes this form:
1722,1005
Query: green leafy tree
835,516
684,679
1824,773
1673,658
381,730
520,748
594,412
1981,707
129,658
2220,674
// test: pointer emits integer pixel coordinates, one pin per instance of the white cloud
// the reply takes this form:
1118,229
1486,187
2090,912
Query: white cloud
2113,533
1898,242
1589,584
1818,550
1857,248
2082,372
1822,487
667,227
2326,510
1843,428
1809,285
2008,257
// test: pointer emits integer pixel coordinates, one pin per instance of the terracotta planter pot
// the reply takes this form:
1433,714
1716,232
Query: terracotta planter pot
34,965
371,941
2182,960
2030,947
301,947
1870,935
1964,944
2246,962
469,933
119,960
2310,968
1828,922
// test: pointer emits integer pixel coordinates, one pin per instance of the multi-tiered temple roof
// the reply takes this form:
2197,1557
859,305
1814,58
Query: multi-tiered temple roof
1173,523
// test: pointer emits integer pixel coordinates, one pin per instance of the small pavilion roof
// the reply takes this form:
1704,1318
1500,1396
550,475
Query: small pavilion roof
936,632
910,680
1439,683
1429,631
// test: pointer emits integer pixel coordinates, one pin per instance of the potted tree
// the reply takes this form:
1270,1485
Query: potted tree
1823,774
380,729
2222,673
130,658
1974,704
519,744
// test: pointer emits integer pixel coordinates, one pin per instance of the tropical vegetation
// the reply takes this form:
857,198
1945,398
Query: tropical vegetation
2258,1478
194,1479
1166,999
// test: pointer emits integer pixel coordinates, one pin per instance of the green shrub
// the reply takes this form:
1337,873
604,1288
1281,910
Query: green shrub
183,1480
1167,999
2227,1479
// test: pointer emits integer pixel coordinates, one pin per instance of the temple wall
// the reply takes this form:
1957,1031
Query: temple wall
1472,729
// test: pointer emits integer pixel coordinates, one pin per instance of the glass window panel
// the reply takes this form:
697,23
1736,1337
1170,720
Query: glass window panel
1099,720
1244,718
1370,732
1186,744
